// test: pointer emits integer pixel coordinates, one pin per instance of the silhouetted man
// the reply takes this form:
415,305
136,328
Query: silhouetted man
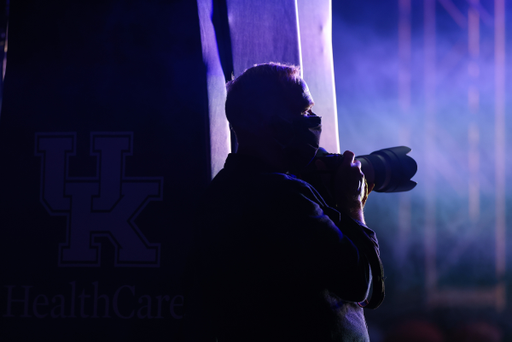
273,263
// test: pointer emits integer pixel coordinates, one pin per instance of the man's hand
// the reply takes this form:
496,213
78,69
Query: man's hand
351,188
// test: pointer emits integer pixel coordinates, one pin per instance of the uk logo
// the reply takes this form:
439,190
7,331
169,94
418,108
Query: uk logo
103,206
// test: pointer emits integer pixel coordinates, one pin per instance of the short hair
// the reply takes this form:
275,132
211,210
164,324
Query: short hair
261,92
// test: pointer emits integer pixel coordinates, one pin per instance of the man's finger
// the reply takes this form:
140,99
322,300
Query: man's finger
348,158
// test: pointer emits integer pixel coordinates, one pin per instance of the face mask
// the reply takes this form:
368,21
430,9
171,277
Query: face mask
299,139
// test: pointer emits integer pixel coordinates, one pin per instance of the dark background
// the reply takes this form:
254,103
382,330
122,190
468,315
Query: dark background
367,59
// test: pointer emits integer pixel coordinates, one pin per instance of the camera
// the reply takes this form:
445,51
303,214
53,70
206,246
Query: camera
390,169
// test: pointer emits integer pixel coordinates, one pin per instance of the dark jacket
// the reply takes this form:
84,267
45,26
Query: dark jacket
272,263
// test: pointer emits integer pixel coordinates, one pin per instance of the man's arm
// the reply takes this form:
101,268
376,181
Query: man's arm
324,253
348,192
351,193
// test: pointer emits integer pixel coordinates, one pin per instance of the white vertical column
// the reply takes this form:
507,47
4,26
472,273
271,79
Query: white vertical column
499,113
404,99
219,129
430,152
473,105
315,22
263,31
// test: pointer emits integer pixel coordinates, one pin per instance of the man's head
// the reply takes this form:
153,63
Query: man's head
268,107
265,91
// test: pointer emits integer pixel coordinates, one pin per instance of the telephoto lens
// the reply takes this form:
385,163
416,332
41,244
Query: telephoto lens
390,169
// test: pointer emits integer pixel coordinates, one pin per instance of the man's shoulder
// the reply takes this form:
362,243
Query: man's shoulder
262,180
243,169
284,180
